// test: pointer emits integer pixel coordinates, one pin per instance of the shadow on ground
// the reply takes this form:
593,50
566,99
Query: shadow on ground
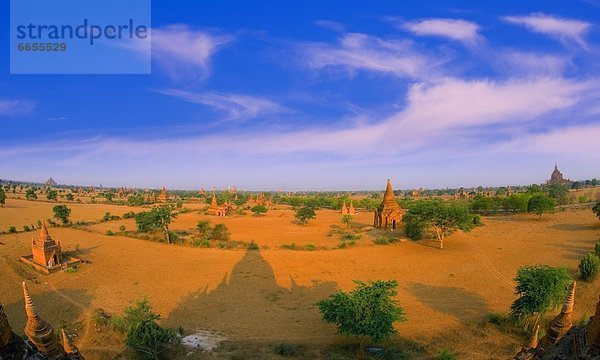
250,305
464,305
52,307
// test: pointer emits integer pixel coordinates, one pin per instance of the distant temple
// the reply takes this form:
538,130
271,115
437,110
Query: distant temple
41,342
557,177
50,182
563,341
348,210
46,255
220,210
163,198
389,214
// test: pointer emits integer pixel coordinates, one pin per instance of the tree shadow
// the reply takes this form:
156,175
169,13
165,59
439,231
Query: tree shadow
252,306
60,309
576,249
450,300
575,227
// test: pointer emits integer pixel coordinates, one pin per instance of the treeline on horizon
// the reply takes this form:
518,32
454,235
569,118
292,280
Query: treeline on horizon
478,200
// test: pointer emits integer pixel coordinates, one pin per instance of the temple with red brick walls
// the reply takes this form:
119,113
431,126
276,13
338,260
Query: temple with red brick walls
389,214
46,254
215,209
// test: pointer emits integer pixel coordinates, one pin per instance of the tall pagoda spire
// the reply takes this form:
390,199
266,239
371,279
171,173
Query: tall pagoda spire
67,344
562,323
214,200
39,332
533,342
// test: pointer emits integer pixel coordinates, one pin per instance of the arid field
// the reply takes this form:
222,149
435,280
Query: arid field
255,299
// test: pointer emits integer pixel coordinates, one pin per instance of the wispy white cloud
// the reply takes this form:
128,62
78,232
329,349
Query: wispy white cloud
355,51
531,64
11,107
330,25
185,53
237,107
455,29
433,118
565,30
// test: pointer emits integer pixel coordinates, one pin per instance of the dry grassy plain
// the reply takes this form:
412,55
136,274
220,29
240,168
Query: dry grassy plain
259,298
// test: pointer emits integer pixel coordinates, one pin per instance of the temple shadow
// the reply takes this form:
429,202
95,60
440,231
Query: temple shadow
252,306
61,309
450,300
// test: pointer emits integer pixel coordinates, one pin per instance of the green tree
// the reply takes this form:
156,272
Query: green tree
305,213
534,189
69,197
347,219
30,194
203,227
540,288
142,332
136,200
589,265
158,218
596,209
52,195
62,213
2,197
109,196
219,233
259,209
540,203
366,311
559,192
443,217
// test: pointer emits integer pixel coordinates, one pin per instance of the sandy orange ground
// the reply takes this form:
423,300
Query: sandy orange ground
270,294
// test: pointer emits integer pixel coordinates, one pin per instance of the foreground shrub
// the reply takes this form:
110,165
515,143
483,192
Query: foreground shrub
540,288
588,266
597,249
142,332
287,349
446,355
367,311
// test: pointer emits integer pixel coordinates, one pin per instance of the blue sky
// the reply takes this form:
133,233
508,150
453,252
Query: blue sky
322,95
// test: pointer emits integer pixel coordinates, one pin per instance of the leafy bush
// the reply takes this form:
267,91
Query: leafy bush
597,248
220,233
385,240
62,213
291,246
109,233
540,288
25,228
368,310
201,243
129,215
252,246
287,349
446,355
588,266
259,210
122,228
350,237
12,229
310,247
142,332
